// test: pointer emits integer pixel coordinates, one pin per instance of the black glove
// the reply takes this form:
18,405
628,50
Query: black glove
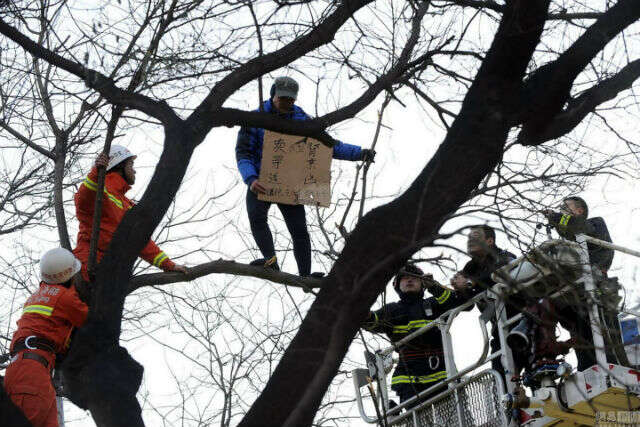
552,216
429,282
368,155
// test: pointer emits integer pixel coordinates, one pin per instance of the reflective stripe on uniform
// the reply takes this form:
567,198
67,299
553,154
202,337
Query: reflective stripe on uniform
414,324
444,297
375,320
94,187
564,220
90,184
44,310
157,261
419,379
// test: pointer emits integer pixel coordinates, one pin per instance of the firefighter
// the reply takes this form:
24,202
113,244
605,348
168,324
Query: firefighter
571,219
44,328
121,175
421,361
284,92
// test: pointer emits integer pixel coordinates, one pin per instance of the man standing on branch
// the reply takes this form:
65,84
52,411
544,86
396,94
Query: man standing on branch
121,175
284,92
48,318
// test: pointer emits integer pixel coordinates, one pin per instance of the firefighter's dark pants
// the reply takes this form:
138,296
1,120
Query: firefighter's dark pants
576,321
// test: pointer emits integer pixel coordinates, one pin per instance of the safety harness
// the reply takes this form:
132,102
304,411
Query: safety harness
33,342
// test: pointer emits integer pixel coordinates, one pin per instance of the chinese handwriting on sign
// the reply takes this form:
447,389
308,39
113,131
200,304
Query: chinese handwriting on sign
278,145
273,178
298,146
313,152
277,160
295,170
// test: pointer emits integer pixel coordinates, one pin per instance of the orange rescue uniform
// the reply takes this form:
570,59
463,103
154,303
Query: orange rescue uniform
50,314
115,205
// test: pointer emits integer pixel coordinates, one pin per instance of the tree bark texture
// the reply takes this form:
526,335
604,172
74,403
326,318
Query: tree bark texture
388,235
99,374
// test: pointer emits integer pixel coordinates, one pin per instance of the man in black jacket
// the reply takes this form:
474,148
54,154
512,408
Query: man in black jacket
572,219
421,361
487,257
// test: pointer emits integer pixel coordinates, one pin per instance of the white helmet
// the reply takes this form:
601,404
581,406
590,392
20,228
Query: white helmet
118,154
58,265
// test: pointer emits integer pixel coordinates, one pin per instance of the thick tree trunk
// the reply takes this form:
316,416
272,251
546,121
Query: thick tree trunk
99,374
388,235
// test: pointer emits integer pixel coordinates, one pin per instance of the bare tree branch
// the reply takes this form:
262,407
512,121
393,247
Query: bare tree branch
26,140
548,88
578,108
93,79
322,34
497,7
224,267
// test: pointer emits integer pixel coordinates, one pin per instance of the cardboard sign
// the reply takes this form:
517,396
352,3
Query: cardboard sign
295,170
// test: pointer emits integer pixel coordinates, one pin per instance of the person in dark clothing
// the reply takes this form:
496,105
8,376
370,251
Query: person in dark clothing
284,92
571,219
421,361
486,258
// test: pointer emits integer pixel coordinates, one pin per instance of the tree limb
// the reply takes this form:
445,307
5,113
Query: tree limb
26,140
547,90
497,7
322,34
584,104
316,128
230,117
94,79
386,80
225,267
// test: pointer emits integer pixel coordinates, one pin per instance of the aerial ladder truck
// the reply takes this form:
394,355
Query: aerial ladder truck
549,392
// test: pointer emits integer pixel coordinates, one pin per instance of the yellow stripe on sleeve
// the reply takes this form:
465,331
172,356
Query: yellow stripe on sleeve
39,309
157,261
444,297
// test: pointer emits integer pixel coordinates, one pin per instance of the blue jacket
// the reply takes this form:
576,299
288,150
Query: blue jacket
249,145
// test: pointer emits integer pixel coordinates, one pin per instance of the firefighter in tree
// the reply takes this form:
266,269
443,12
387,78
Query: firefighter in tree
47,319
421,361
121,175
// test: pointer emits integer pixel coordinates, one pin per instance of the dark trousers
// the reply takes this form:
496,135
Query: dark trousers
294,218
576,321
519,359
407,391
